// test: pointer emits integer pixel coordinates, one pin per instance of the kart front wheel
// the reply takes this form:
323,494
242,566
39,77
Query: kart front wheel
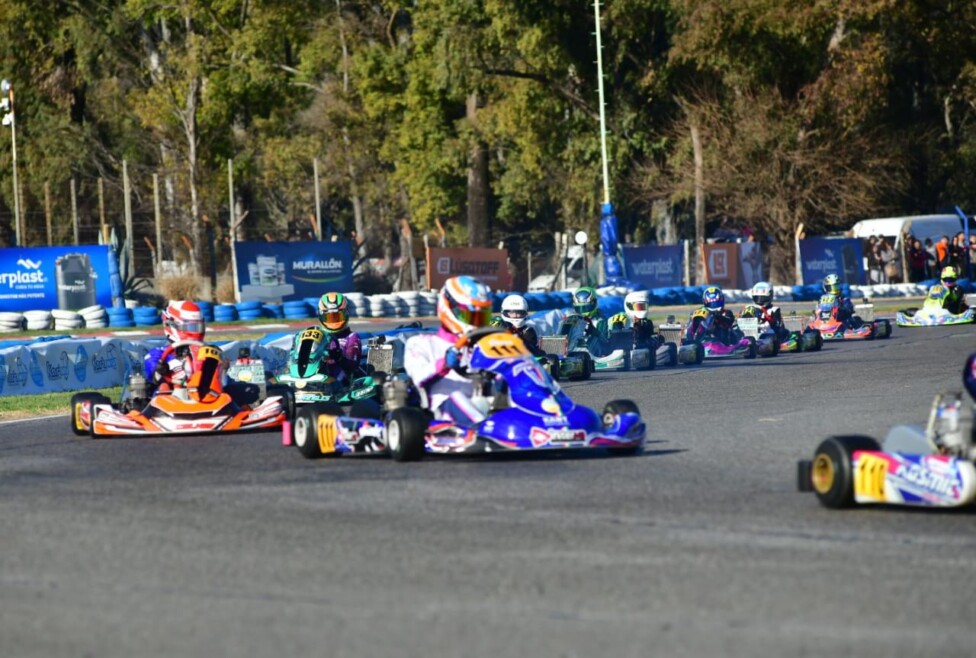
552,365
305,430
78,402
831,471
610,413
406,433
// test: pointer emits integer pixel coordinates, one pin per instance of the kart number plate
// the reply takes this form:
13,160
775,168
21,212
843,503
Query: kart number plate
869,478
327,433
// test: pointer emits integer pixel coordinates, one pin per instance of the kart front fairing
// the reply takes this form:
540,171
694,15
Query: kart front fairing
540,414
714,347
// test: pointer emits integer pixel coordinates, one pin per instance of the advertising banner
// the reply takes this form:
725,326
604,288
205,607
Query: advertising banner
67,365
654,266
841,256
722,264
45,278
277,271
490,266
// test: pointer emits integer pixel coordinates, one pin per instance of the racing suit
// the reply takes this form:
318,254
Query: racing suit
954,301
166,374
718,324
845,310
448,391
597,334
344,353
770,316
643,329
527,333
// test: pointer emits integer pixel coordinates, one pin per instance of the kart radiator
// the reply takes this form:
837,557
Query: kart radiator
380,357
670,331
557,345
864,311
795,322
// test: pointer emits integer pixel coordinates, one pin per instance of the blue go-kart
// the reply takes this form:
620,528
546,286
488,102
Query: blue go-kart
525,411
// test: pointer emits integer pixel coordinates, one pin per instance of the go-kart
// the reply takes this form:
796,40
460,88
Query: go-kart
932,313
202,404
525,411
737,345
617,352
929,466
831,328
310,382
755,321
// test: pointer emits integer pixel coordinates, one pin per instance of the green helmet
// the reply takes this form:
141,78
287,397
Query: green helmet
585,301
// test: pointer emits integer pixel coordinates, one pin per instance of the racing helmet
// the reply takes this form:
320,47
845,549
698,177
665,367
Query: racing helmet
463,305
831,284
585,301
762,293
515,310
333,308
713,298
182,320
949,276
636,305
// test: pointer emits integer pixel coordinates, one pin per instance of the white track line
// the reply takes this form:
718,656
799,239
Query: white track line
29,420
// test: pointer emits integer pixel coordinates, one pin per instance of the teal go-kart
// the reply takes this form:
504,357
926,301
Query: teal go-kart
619,351
305,375
525,410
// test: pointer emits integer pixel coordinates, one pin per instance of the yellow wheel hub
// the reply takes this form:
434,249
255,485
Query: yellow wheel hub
822,473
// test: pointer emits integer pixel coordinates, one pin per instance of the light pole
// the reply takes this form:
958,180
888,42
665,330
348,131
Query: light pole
9,119
580,238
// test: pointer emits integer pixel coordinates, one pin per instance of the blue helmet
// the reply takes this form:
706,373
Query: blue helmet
713,298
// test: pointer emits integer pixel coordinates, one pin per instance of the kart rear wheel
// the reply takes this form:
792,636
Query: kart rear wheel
882,329
287,398
552,365
78,400
588,366
831,472
753,350
406,433
672,355
305,428
613,409
366,409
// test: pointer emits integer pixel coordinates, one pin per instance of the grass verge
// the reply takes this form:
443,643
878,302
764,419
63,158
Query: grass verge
15,407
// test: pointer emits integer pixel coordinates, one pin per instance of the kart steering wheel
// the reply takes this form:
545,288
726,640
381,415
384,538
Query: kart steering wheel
180,343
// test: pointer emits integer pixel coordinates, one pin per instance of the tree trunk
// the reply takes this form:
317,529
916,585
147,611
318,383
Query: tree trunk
699,202
479,233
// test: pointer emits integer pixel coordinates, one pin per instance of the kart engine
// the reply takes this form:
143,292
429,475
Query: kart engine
946,427
137,394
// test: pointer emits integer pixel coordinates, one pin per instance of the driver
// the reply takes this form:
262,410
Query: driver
636,305
764,309
434,363
954,302
344,349
845,307
182,321
586,305
514,317
717,321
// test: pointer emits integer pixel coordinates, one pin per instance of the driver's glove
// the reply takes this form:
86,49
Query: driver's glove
452,358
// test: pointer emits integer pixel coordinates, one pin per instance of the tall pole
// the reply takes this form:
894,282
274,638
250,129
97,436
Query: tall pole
603,115
318,202
129,232
157,216
101,210
48,220
11,118
231,205
74,210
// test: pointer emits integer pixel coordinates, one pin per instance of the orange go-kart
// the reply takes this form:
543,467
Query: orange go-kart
202,404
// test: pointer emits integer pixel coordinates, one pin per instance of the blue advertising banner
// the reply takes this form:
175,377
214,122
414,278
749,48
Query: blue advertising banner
654,266
277,271
841,256
45,278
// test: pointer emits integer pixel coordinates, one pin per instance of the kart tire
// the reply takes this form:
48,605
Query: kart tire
304,429
831,472
613,409
882,329
288,397
753,350
79,399
366,409
406,432
552,365
588,366
672,355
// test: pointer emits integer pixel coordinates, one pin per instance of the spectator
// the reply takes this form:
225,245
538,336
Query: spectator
875,263
942,253
889,261
972,255
932,260
917,261
957,252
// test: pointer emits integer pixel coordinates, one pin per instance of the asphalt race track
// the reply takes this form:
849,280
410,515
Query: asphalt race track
237,546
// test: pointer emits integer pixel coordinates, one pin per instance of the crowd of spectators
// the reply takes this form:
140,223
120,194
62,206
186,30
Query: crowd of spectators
926,261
